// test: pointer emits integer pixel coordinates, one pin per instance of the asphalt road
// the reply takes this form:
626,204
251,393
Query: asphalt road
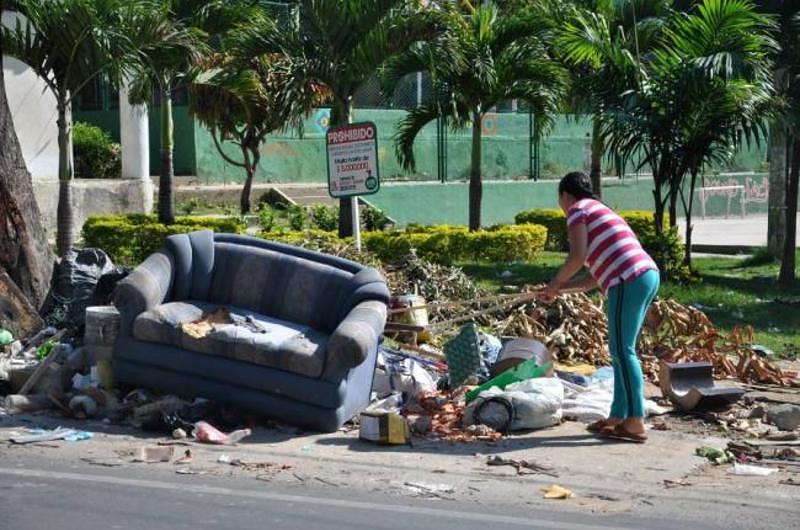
44,495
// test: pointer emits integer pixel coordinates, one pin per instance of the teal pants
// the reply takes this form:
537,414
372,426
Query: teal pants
627,308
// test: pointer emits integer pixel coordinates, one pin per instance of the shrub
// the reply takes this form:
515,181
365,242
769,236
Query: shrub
129,239
374,219
298,218
325,217
447,244
266,216
666,250
96,154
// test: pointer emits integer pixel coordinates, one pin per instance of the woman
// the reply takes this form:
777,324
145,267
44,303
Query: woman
603,241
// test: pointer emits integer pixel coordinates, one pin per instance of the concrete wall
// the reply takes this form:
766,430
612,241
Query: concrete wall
93,197
33,110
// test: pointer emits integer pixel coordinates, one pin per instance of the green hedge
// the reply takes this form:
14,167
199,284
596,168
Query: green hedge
129,239
666,250
96,154
448,244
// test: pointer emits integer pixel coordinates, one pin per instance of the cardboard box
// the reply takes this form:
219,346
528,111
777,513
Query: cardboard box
384,428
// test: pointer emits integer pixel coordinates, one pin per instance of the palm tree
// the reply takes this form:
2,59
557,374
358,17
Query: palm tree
487,56
341,44
594,38
68,44
183,31
702,93
243,98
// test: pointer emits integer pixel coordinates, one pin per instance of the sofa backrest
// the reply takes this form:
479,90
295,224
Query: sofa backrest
277,280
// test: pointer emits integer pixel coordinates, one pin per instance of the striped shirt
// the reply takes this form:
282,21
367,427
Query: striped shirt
614,254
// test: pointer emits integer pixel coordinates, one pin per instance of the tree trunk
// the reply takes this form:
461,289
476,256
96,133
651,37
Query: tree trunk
673,206
598,150
475,183
64,239
166,178
251,158
658,216
24,253
687,259
776,221
788,264
343,115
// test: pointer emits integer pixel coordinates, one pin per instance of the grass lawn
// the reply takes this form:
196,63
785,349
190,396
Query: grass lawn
731,291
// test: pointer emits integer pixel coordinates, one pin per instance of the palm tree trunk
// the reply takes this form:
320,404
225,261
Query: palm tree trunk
673,205
475,183
342,115
598,150
688,212
24,253
778,172
788,264
251,158
166,178
64,239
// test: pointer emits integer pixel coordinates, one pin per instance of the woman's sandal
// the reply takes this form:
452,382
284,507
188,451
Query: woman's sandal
599,425
618,432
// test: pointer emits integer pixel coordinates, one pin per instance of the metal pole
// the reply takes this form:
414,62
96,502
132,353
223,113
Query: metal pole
356,223
419,89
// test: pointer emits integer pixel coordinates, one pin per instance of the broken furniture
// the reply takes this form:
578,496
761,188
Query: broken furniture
303,343
691,386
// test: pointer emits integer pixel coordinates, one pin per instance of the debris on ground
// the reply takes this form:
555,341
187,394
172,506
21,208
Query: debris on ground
557,492
43,435
153,455
207,433
751,471
714,455
521,465
786,416
429,490
384,427
446,414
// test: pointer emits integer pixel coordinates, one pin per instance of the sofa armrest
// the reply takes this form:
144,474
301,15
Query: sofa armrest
358,333
144,289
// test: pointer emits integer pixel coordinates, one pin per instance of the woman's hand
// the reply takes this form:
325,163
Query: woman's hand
549,293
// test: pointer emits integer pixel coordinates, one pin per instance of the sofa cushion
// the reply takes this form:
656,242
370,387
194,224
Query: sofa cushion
252,338
279,285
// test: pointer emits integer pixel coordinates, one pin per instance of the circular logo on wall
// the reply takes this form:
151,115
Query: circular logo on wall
371,183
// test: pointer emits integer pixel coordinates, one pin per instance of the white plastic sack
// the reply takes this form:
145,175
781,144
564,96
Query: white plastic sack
593,402
536,403
407,377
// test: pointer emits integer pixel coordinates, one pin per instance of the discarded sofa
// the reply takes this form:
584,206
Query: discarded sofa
306,353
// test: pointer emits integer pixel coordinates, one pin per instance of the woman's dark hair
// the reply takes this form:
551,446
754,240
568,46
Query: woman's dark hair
578,184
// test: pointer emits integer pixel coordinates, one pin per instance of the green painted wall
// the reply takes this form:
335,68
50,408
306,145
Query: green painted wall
185,162
288,157
434,203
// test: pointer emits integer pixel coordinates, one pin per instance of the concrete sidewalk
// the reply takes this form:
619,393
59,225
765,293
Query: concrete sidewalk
749,231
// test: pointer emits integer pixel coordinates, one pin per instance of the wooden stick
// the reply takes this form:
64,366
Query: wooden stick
39,372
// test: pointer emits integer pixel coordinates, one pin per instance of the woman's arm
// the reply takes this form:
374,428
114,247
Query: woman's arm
578,241
584,283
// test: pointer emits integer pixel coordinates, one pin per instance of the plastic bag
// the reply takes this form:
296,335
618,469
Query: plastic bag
535,404
404,375
76,277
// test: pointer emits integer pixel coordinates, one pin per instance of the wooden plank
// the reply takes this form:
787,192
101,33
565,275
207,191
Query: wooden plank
40,370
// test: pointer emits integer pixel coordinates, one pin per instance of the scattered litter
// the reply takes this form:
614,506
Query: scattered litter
104,462
187,458
463,355
179,434
207,433
716,456
519,465
153,455
751,471
83,407
669,484
425,489
224,459
785,416
6,337
200,328
529,404
42,435
790,482
384,427
557,492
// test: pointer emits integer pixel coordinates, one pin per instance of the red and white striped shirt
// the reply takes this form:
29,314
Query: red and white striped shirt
614,254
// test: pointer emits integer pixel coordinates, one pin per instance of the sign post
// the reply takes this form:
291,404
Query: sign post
353,166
